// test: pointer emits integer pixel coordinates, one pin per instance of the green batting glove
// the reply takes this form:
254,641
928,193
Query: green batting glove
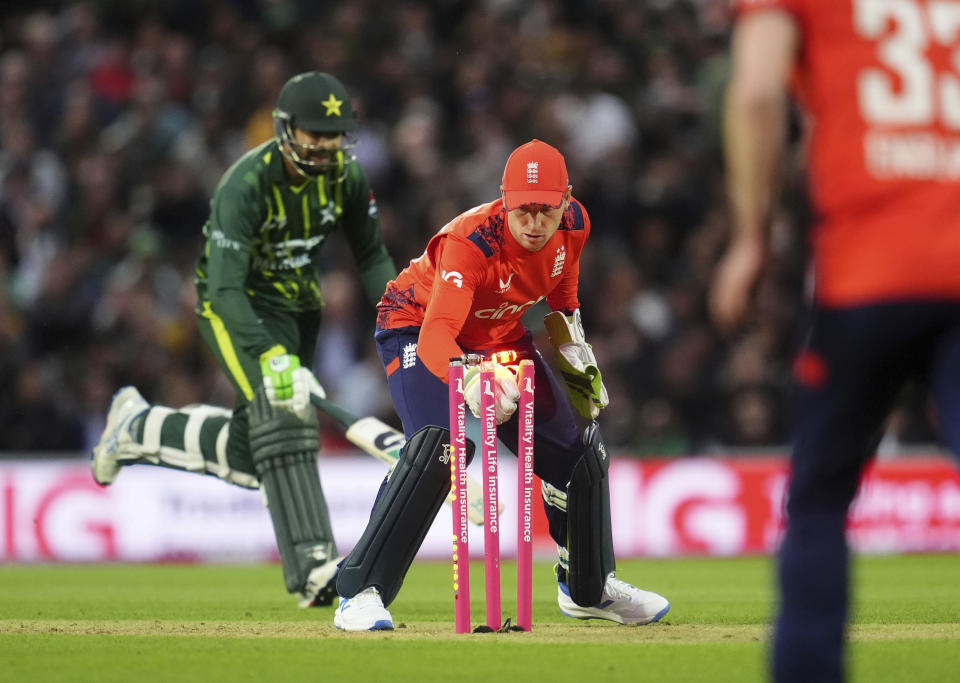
277,367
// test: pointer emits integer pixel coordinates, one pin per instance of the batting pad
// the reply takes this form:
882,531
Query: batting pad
589,532
284,450
401,516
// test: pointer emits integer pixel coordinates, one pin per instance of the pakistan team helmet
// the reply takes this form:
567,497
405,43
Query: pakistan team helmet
317,102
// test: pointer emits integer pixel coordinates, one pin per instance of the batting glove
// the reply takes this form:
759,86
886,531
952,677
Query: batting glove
288,384
505,391
577,363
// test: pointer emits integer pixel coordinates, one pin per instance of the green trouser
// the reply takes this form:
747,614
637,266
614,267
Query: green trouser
211,440
296,332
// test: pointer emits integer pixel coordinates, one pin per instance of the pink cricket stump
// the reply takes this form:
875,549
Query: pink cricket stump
525,497
458,480
491,533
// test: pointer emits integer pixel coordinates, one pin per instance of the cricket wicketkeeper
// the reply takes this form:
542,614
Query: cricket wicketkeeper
466,294
259,308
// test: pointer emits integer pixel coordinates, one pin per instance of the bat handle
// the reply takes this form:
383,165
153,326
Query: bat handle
339,414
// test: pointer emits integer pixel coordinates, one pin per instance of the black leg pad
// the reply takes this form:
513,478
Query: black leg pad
284,451
589,532
401,517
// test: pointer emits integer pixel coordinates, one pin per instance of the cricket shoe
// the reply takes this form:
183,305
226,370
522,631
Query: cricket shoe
321,586
116,439
363,612
621,602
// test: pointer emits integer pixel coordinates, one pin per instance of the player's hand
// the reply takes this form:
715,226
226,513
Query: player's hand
288,384
505,391
585,386
735,280
577,364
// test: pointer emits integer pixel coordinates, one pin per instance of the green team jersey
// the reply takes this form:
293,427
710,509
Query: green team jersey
263,236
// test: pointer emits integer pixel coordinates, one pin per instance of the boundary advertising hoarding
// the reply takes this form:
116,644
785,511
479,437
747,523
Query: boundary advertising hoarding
52,511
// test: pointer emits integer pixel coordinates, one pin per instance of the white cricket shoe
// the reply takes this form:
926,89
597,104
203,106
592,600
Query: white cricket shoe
363,612
321,586
127,404
621,602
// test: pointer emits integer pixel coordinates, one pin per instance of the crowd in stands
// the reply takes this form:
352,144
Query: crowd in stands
118,117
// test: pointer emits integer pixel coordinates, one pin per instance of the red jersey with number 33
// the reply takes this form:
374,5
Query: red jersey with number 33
474,282
880,80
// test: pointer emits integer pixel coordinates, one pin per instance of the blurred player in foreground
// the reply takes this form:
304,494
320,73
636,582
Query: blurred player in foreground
466,294
878,80
259,308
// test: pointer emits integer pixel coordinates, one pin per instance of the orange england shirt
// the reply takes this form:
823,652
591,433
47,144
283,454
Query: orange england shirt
880,82
474,282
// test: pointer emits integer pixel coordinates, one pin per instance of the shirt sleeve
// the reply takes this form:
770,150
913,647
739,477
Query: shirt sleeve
460,270
564,296
361,223
233,217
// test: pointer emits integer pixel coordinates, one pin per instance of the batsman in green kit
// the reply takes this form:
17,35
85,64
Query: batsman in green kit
259,307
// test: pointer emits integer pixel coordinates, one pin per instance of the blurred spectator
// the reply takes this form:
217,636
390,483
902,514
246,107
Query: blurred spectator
115,127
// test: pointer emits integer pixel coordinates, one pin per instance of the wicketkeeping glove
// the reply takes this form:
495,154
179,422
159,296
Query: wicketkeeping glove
505,391
287,383
577,363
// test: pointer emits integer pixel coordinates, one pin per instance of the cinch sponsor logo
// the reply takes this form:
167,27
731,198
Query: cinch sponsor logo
504,310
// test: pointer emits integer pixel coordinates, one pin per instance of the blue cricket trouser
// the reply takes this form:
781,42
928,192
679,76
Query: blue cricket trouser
421,398
854,366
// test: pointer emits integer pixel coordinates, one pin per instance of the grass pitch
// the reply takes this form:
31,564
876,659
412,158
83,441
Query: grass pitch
235,623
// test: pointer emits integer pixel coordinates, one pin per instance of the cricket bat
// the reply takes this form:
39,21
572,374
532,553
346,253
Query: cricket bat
383,442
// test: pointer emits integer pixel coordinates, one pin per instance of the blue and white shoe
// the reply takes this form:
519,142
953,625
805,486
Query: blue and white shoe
116,440
363,612
621,602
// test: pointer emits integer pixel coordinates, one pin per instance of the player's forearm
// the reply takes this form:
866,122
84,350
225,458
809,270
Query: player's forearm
755,110
361,226
436,347
753,132
376,275
438,337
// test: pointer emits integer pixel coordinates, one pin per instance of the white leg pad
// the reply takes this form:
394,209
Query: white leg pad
150,448
190,458
222,468
151,429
